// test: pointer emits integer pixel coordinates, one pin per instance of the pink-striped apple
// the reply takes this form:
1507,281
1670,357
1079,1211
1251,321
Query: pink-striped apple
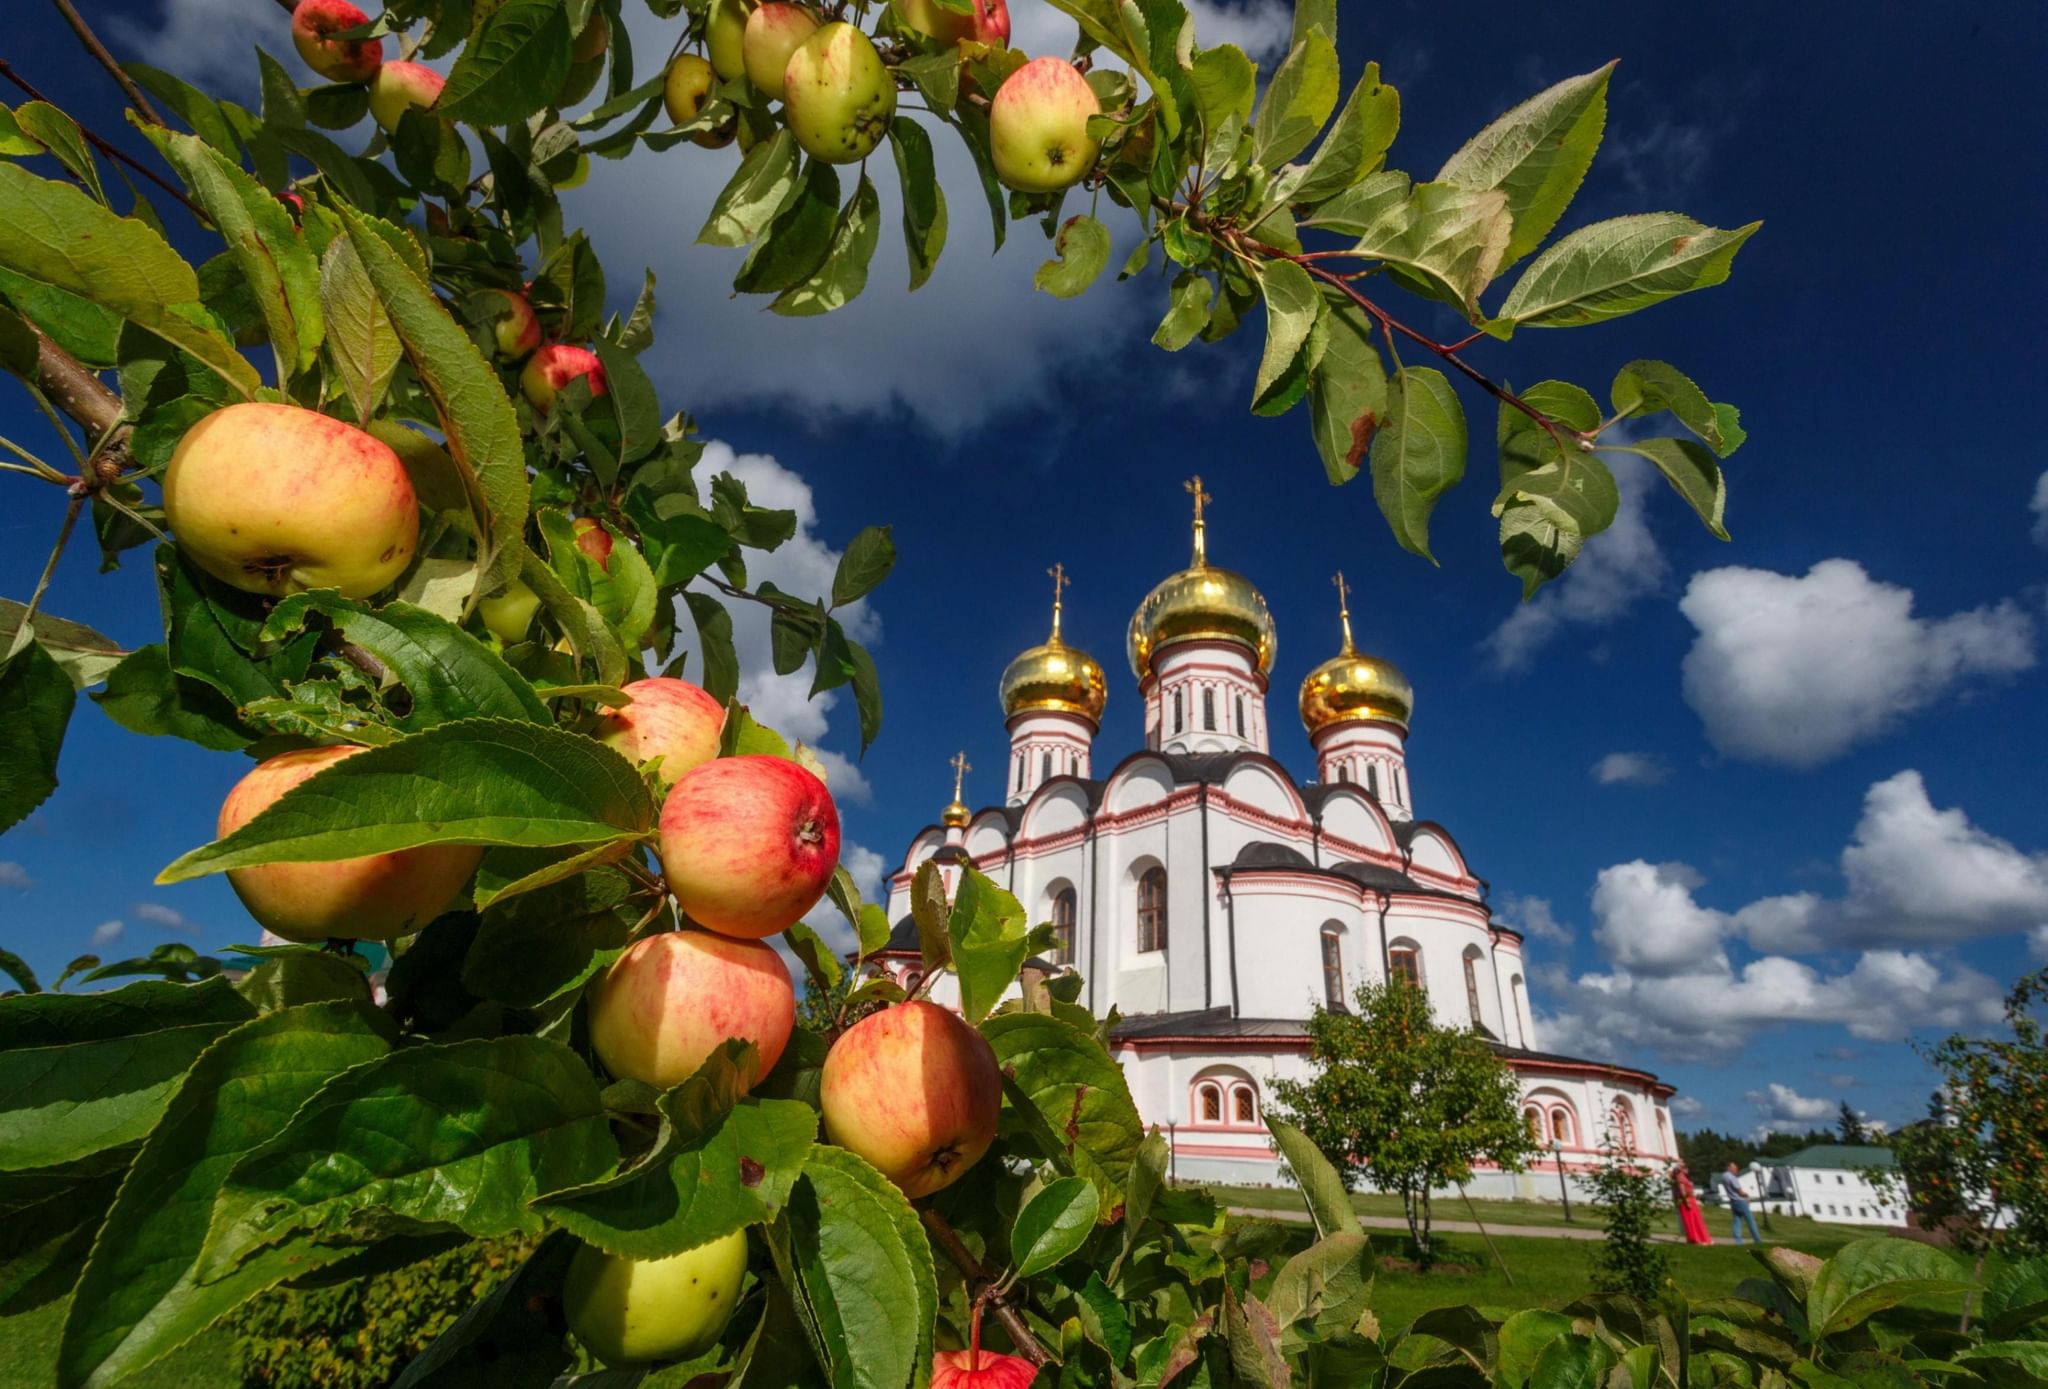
1038,127
629,1312
398,87
666,718
748,844
378,897
555,366
314,24
915,1091
274,499
840,97
725,38
508,613
989,22
515,327
672,999
773,33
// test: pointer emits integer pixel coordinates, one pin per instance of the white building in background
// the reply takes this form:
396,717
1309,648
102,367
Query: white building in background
1216,900
1828,1182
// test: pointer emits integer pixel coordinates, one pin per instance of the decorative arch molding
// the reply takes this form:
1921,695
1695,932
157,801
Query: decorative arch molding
926,843
1060,805
1431,850
1226,1097
1404,962
1138,782
986,836
1355,826
1255,782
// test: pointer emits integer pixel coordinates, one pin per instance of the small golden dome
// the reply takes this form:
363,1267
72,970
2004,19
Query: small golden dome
1201,603
1354,686
1053,675
956,816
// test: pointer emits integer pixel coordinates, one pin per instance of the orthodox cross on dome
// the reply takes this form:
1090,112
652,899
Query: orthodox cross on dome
1193,486
1058,575
961,767
1344,609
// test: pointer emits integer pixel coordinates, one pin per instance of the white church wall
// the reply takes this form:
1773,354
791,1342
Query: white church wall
1251,784
1442,932
1279,920
988,835
1138,785
1348,817
1434,856
1065,807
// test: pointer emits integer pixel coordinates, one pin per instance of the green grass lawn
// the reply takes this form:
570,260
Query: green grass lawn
28,1356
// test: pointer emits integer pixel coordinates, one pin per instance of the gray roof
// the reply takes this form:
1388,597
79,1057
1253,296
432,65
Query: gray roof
1206,1022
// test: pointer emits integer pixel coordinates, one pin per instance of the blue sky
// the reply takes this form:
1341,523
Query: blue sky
1826,835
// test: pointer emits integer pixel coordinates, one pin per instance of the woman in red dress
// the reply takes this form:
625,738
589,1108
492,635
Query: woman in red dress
1688,1201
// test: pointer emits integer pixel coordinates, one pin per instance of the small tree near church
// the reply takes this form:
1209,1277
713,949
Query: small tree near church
1404,1103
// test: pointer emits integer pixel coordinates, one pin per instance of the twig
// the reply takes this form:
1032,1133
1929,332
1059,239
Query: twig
78,496
984,1287
78,392
108,148
106,60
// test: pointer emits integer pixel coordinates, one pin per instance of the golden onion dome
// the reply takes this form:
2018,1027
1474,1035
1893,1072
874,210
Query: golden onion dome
1351,685
1202,603
956,814
1053,675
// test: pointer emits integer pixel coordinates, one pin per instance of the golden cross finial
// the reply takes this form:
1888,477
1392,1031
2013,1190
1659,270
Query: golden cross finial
1194,487
1058,575
961,767
1344,608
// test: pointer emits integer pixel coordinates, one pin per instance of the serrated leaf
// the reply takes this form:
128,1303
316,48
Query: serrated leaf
1054,1223
1081,251
987,937
798,240
60,135
36,698
750,200
1871,1275
1552,495
719,661
865,1269
512,67
1187,314
1076,1091
1645,387
924,201
1418,453
535,945
85,655
868,558
1357,144
867,693
1536,154
1298,101
1322,1189
1691,470
1292,310
1618,267
361,341
843,274
1347,394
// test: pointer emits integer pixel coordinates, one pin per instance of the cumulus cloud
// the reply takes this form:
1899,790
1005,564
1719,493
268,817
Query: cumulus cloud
1798,669
1532,916
1688,1106
169,918
1781,1109
1630,769
2040,509
14,875
1618,567
2037,941
106,933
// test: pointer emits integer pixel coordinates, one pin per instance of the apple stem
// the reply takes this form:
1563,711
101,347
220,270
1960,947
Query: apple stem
985,1289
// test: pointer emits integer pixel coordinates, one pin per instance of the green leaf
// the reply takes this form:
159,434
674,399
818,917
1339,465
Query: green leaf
799,238
1081,251
865,1271
145,696
634,403
867,693
1225,83
1077,1091
1536,154
1328,1284
1523,1338
477,781
361,341
17,969
720,675
1188,313
283,105
988,937
48,1219
843,274
1347,394
60,135
1552,496
869,557
1873,1274
719,1163
1357,144
1418,453
1693,474
537,945
273,257
1617,267
1253,1336
138,1297
305,975
1645,387
35,708
1292,310
1053,1224
1329,1204
924,201
1298,101
748,203
56,236
14,142
589,635
207,118
83,1072
503,1328
2016,1297
512,67
476,419
465,1134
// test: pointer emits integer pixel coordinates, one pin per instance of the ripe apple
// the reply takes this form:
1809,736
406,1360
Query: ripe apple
685,93
380,897
632,1311
595,38
1038,127
514,324
725,38
989,23
975,1368
508,614
398,87
667,718
840,96
337,60
773,33
748,844
915,1091
275,499
595,541
555,366
672,999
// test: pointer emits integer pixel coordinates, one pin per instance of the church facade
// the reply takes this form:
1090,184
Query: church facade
1215,900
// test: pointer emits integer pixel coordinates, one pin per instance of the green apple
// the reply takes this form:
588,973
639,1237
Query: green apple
1038,127
725,38
840,96
508,614
773,33
398,87
634,1311
685,93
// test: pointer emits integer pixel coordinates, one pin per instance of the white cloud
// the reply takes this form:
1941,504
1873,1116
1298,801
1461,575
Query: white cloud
1618,567
2037,941
1630,769
1646,920
169,918
2040,509
185,38
1532,916
1688,1107
1914,875
106,933
1797,669
14,875
1784,1110
867,869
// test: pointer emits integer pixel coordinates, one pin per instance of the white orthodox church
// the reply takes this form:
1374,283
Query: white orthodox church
1215,901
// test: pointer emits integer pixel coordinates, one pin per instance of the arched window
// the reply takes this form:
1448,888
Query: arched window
1561,1127
1404,965
1533,1117
1209,1098
1240,717
1472,987
1152,910
912,980
1372,779
1063,925
1045,767
1624,1125
1244,1106
1176,711
1209,708
1333,968
1344,773
1020,771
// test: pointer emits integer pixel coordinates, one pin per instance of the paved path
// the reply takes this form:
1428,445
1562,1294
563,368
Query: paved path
1456,1227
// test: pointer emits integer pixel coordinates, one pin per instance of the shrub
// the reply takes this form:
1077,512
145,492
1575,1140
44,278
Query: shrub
1630,1196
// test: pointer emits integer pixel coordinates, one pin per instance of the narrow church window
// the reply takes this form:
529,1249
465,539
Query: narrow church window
1472,989
1533,1117
1625,1127
1045,767
1063,926
1344,773
1212,1104
1152,910
1020,771
1176,711
1406,966
1209,708
1240,717
1561,1125
1244,1109
1372,779
1333,969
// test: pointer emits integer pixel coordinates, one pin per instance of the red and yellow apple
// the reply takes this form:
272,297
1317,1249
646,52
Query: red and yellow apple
989,23
1038,127
748,844
672,999
840,96
515,327
915,1091
314,24
594,540
398,87
632,1311
595,38
685,93
274,499
667,718
508,613
378,897
773,33
975,1368
725,38
555,366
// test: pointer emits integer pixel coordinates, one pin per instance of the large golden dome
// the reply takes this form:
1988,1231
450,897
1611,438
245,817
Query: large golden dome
1053,675
1354,686
1201,603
